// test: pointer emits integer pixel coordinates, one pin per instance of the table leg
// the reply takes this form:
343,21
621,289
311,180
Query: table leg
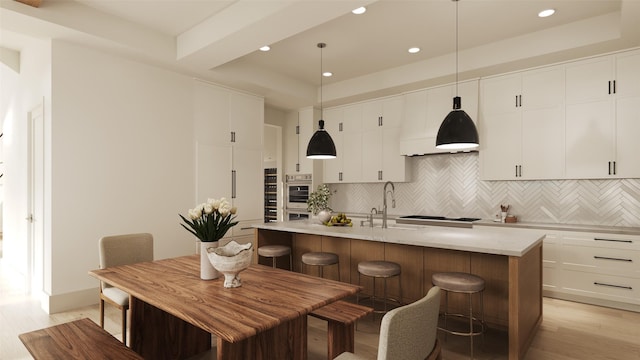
156,334
340,338
286,341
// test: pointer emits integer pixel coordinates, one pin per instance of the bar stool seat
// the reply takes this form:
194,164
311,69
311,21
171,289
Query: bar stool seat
321,259
458,282
380,269
275,251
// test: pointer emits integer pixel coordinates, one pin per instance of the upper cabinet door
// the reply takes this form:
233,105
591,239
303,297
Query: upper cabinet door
589,80
628,114
333,124
351,144
211,114
246,117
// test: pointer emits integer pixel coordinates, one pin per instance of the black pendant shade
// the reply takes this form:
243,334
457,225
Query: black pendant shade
457,131
321,145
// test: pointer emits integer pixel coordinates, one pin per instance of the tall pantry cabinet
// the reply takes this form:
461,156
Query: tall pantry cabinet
228,135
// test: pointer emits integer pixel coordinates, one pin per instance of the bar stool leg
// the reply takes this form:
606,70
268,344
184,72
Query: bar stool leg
290,262
273,262
470,327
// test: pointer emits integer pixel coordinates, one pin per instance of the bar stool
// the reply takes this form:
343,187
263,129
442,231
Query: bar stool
321,259
275,251
458,282
380,269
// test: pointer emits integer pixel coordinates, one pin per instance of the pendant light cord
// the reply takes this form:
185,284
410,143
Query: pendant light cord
456,46
321,46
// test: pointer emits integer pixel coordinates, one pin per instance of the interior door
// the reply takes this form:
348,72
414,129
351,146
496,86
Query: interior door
35,250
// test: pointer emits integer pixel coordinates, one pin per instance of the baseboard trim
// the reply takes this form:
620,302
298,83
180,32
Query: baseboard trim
52,304
591,301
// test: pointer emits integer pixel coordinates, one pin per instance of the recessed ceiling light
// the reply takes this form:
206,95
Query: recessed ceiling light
327,74
265,48
359,11
546,13
414,50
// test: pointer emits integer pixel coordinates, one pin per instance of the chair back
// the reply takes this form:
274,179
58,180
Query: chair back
409,332
125,249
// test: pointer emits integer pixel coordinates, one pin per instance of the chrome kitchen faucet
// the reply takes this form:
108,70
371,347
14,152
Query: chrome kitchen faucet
384,202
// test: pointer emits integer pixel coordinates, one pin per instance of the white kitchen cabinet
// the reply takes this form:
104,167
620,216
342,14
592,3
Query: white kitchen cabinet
333,125
425,110
344,124
298,131
228,139
601,266
522,126
592,267
381,159
603,117
551,272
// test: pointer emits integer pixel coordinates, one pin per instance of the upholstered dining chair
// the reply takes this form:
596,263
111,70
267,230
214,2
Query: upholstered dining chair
409,332
121,250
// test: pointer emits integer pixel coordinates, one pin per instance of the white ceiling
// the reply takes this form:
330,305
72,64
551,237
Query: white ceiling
218,40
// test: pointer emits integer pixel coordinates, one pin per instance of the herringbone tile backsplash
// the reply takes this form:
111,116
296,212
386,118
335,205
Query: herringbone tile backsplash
449,185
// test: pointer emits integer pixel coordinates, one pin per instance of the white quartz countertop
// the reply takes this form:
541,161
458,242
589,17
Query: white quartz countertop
486,240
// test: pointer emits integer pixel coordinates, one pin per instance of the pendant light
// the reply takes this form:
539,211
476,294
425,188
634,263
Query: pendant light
321,145
457,131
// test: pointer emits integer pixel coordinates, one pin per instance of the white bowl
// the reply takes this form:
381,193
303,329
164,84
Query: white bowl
230,260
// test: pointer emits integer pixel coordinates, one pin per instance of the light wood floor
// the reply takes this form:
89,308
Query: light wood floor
569,330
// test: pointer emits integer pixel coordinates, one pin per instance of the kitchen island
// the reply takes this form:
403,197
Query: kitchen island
509,261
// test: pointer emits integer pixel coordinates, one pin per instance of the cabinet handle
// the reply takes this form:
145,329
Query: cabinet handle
340,127
614,86
340,176
611,258
614,240
297,129
614,163
233,184
520,98
379,174
246,228
297,167
609,87
520,170
516,100
516,170
613,286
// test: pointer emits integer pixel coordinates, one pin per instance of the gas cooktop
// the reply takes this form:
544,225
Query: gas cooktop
436,220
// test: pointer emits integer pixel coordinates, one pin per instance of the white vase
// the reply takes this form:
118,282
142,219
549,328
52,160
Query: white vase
207,271
323,216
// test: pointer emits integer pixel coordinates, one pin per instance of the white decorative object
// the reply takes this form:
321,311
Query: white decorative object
230,260
207,271
323,216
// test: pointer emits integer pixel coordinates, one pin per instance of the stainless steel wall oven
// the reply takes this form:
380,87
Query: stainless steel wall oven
298,188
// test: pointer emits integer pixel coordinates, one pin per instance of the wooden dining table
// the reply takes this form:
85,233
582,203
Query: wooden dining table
174,312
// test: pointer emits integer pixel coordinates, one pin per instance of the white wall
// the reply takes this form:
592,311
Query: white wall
121,160
19,93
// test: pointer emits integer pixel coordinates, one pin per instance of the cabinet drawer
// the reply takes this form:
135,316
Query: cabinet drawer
615,288
244,228
603,260
551,278
610,241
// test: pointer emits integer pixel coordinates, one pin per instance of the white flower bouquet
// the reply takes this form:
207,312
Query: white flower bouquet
210,221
